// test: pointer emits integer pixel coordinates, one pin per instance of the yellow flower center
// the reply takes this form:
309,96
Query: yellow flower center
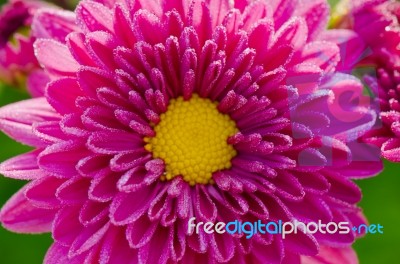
191,138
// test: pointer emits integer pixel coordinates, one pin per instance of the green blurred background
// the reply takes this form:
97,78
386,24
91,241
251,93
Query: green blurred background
381,204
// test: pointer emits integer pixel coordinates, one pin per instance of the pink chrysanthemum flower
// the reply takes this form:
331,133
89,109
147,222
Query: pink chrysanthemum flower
377,23
160,112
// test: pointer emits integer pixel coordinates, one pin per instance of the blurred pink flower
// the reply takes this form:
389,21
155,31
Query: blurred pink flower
248,86
17,59
18,64
376,22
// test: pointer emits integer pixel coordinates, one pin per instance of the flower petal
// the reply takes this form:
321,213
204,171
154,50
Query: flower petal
123,211
16,119
58,254
42,192
345,255
316,14
53,24
92,16
63,100
37,82
64,65
20,216
61,158
22,167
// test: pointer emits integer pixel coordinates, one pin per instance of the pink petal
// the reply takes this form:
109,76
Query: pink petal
101,46
316,209
104,187
122,25
205,207
293,32
74,191
128,160
305,77
313,182
37,82
123,211
22,167
140,177
391,150
140,232
260,39
366,161
20,216
282,10
76,44
61,158
63,100
152,6
49,132
42,192
16,119
144,24
53,24
343,188
219,9
222,246
350,44
160,241
103,119
336,239
71,125
301,243
92,16
253,13
93,165
288,186
66,226
91,78
326,55
92,212
113,143
64,65
316,14
330,255
89,237
178,245
272,253
115,249
58,254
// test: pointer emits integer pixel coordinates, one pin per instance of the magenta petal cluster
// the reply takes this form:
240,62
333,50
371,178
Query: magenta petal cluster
95,186
377,23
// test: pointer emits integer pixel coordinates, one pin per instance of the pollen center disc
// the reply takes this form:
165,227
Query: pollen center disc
191,138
